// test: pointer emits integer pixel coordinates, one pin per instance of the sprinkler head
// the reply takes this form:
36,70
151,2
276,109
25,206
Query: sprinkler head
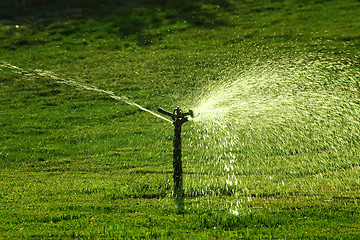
177,113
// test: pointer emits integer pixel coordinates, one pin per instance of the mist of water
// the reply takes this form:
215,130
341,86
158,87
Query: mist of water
275,128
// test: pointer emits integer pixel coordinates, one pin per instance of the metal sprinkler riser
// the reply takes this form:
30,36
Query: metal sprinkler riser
179,117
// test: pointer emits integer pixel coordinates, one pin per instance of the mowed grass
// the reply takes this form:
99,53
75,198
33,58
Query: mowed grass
78,164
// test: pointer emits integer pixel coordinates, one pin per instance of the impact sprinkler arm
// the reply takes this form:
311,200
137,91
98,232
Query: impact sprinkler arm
177,113
160,110
179,118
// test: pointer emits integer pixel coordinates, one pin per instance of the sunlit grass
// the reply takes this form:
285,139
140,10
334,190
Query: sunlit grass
280,160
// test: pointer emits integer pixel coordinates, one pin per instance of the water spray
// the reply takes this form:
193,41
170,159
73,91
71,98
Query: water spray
78,85
178,117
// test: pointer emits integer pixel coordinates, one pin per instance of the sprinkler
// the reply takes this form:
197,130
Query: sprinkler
178,117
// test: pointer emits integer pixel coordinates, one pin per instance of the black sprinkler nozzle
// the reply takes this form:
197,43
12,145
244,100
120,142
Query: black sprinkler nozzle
191,113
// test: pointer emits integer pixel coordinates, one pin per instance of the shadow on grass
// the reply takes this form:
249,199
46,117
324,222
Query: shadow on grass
125,18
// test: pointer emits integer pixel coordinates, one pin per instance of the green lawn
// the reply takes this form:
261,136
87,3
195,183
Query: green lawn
272,153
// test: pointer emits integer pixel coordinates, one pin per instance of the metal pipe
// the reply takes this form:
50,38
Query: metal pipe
179,118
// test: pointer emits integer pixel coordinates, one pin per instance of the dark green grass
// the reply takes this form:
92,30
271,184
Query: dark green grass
77,164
